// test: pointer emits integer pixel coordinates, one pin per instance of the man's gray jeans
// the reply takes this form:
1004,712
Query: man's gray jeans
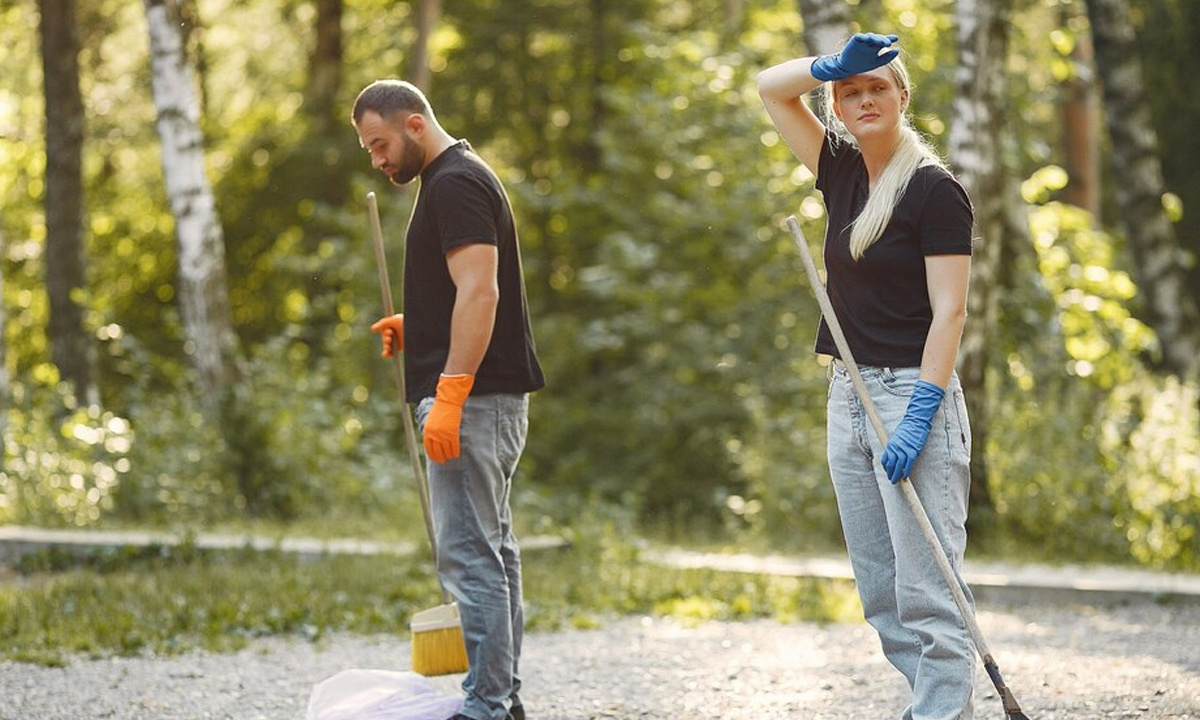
478,559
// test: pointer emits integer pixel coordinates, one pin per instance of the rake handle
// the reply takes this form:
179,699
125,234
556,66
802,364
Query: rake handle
910,494
410,433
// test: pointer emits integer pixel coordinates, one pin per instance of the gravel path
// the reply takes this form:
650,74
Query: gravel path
1062,662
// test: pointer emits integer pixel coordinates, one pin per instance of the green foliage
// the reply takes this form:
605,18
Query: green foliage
659,295
1152,429
60,470
333,449
1093,456
1079,265
670,311
168,600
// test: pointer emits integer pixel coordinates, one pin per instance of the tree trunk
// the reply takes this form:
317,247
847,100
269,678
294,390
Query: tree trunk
1167,305
975,150
324,150
589,152
5,396
1081,129
734,22
428,12
325,132
191,37
71,349
204,301
826,27
325,68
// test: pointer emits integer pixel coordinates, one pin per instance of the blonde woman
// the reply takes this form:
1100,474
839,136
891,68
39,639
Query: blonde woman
897,256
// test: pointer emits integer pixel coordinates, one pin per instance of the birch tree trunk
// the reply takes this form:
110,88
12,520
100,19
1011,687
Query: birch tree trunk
826,27
1167,305
70,347
191,38
428,12
975,144
204,302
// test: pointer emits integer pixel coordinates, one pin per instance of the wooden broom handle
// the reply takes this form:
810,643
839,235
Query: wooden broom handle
906,488
410,433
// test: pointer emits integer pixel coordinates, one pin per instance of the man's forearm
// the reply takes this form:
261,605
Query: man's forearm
471,327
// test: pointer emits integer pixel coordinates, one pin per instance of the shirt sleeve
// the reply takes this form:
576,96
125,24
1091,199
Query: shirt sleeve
463,211
832,151
946,219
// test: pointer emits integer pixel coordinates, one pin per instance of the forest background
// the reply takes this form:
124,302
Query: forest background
184,341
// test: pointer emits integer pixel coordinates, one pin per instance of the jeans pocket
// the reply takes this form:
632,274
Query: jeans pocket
512,429
422,412
899,381
964,422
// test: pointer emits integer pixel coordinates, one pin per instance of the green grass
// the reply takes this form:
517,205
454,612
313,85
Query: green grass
178,601
388,524
171,600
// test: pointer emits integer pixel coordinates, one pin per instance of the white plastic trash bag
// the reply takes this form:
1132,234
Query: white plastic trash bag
379,695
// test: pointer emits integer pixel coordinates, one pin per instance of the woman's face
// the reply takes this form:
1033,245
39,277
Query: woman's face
870,103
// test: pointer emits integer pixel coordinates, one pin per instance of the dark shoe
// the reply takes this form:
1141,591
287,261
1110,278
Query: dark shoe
517,713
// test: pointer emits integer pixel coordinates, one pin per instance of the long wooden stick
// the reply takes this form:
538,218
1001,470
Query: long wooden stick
952,579
410,433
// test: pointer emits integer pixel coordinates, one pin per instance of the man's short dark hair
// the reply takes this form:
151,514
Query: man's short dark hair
387,97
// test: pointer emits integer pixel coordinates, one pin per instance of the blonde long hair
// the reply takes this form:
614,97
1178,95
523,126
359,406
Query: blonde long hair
911,153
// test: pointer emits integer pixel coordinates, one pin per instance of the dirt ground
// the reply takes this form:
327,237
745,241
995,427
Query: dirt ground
1063,662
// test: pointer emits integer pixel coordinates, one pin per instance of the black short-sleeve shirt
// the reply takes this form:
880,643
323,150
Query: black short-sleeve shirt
882,299
462,202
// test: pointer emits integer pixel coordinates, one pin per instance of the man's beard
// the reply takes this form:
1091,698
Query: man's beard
410,163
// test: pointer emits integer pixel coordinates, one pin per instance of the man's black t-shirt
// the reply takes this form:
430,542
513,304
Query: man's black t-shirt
882,299
462,202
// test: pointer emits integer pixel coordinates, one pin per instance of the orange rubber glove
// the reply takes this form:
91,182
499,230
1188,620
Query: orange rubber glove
392,330
445,417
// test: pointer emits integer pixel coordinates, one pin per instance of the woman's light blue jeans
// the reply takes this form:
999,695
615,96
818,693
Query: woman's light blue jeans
904,596
478,559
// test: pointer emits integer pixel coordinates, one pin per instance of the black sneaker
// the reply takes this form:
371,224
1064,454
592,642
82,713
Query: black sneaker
517,713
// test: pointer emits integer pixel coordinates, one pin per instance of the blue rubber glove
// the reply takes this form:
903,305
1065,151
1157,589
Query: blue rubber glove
860,54
909,436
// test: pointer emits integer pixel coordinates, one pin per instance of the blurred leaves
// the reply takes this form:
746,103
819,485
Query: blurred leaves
670,311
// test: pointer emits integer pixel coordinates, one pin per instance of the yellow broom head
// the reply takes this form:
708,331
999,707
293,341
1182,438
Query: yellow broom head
437,642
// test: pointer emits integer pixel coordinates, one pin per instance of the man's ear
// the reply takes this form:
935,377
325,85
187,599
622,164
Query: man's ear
415,124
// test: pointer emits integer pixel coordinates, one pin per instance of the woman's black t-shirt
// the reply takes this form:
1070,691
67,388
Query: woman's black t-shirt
462,202
882,299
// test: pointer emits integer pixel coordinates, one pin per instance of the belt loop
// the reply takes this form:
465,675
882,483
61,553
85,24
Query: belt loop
888,374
